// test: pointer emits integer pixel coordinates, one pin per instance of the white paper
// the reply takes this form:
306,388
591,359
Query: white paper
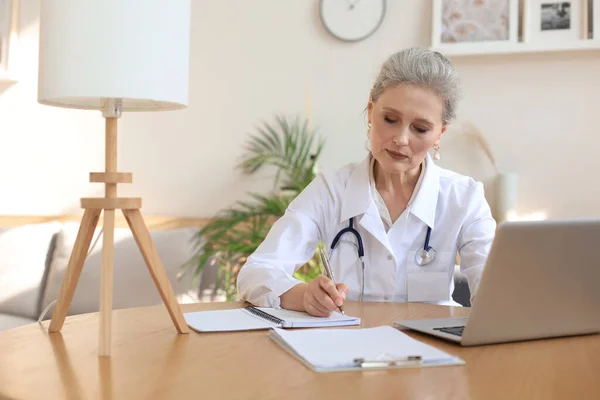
325,349
225,320
297,319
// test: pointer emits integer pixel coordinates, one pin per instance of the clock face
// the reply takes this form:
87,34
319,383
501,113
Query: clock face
352,20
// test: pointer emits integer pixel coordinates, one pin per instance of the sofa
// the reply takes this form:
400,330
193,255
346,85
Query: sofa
34,257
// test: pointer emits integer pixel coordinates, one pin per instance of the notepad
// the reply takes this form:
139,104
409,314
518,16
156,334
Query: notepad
252,318
327,350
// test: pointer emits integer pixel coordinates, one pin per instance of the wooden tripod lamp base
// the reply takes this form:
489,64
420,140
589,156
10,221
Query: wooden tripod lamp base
131,210
101,56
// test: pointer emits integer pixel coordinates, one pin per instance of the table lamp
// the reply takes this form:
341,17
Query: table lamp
113,56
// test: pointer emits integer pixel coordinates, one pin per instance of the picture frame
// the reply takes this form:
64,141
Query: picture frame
474,23
551,21
8,35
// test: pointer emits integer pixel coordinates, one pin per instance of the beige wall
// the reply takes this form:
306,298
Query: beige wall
253,59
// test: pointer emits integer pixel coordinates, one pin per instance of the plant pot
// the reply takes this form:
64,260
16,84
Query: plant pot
507,188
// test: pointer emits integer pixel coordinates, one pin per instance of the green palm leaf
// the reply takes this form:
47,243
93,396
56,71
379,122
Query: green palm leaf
293,150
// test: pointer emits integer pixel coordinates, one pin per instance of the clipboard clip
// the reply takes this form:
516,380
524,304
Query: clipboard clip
382,363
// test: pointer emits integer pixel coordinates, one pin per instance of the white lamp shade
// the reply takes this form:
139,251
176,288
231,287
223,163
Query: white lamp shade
133,50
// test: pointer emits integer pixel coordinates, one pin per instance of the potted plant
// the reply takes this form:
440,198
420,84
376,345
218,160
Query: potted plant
292,149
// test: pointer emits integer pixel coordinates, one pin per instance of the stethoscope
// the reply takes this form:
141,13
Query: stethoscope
423,257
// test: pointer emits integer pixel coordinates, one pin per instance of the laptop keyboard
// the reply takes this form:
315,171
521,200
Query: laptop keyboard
453,330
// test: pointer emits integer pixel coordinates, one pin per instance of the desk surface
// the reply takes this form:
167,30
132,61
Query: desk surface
151,361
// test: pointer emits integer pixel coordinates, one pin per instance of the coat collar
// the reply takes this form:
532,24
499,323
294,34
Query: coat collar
424,203
357,195
358,198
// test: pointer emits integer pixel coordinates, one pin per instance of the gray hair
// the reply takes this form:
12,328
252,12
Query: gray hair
425,68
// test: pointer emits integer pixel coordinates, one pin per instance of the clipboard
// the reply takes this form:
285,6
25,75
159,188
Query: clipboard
337,350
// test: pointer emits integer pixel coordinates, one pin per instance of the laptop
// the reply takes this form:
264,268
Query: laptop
541,280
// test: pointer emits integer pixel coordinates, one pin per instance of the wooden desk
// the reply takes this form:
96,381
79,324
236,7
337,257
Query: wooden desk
151,361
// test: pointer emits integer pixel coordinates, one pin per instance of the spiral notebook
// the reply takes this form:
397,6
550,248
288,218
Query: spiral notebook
252,318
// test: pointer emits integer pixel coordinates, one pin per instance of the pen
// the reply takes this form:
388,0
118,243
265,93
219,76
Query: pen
328,271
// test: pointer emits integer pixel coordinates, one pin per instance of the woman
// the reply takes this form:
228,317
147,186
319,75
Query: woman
398,201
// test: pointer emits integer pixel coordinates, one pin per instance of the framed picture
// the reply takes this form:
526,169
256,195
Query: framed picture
553,20
7,30
464,22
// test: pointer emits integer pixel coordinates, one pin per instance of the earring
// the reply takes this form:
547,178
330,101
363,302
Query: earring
436,155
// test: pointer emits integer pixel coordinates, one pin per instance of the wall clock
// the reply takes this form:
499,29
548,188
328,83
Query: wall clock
352,20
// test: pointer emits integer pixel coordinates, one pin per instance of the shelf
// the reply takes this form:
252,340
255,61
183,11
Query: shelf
482,49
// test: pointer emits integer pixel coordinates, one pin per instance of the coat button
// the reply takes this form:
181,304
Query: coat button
390,257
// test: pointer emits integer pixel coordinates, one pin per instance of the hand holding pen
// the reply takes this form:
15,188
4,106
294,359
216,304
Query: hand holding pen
322,295
329,273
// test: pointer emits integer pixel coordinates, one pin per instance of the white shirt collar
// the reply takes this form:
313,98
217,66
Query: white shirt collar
360,193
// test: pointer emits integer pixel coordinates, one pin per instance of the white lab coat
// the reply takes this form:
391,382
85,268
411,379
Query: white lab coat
453,205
